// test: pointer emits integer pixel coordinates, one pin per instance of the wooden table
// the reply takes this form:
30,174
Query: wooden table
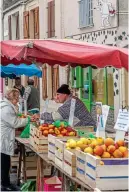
40,172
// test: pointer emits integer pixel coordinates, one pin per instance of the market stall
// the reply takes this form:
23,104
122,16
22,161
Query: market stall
95,166
22,69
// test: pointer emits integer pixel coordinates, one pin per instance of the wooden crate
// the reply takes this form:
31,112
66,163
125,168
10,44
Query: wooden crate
59,151
80,165
113,175
51,147
38,141
14,161
41,148
70,162
56,148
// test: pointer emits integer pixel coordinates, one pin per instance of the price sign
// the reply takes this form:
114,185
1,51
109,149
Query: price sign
122,122
105,112
102,115
72,109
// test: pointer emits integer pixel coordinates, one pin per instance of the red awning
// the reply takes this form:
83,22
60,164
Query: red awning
62,52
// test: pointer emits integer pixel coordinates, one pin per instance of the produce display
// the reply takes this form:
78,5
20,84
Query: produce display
99,147
59,131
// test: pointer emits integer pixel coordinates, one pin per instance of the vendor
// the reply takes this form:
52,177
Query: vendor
81,115
9,122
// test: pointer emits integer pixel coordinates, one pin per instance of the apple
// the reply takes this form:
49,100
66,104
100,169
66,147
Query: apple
45,125
111,149
69,129
72,144
122,149
106,155
78,148
51,126
100,140
109,141
45,133
72,133
126,154
117,153
51,131
116,146
79,143
60,135
94,143
88,150
84,140
104,147
98,150
120,143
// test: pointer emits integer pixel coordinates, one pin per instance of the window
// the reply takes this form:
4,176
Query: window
51,19
85,13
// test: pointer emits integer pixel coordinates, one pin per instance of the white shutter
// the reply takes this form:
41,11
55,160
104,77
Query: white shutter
85,13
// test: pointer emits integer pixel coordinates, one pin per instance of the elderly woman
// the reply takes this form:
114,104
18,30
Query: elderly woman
9,122
81,115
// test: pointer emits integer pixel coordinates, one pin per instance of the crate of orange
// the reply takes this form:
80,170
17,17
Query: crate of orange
40,134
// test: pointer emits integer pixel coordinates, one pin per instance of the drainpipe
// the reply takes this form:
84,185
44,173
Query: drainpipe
1,38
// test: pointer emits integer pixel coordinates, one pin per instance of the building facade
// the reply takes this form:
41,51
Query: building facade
93,21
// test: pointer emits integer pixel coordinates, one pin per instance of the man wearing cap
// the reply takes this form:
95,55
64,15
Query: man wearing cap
82,117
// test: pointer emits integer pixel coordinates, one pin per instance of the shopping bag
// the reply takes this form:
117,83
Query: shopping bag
26,132
29,186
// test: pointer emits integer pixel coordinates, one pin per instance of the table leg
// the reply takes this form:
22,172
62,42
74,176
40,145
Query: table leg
24,163
42,173
19,167
38,175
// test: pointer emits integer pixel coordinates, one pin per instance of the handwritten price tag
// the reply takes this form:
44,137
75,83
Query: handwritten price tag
122,122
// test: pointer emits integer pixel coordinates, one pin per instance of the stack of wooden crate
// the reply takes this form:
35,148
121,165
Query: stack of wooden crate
38,141
31,168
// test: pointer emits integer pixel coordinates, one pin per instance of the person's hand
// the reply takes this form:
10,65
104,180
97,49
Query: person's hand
36,117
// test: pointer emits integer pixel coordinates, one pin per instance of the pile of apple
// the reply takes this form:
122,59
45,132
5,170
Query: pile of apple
56,131
99,147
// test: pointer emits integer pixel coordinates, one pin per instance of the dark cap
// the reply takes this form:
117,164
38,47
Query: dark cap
64,89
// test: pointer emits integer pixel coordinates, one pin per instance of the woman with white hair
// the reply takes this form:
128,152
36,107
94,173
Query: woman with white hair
9,122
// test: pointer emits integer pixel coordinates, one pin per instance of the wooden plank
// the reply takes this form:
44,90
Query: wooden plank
70,157
59,163
70,170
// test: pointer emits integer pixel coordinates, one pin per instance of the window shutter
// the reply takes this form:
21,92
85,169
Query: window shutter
17,27
80,13
51,19
10,27
26,24
36,81
44,82
55,80
36,23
